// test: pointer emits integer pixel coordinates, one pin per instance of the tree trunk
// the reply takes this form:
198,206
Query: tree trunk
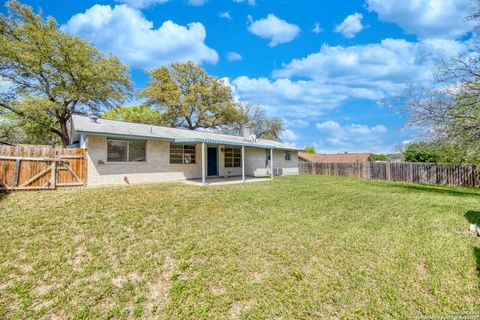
64,133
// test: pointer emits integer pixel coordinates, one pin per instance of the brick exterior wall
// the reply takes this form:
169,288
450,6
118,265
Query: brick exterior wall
158,168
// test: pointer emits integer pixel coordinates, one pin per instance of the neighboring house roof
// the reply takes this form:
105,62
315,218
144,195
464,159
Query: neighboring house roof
339,157
122,129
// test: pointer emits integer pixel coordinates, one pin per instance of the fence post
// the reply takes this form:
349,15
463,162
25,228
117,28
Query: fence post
16,173
85,166
53,181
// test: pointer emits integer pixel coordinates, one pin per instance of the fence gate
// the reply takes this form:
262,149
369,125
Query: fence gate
34,167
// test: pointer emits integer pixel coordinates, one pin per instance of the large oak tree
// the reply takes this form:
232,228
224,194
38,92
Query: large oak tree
51,75
189,97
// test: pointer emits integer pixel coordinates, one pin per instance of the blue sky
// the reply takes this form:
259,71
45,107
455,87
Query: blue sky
322,66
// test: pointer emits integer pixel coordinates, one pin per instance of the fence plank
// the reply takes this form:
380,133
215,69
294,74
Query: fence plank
16,172
465,175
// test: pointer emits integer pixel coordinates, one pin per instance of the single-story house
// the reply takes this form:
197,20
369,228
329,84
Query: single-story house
336,158
120,152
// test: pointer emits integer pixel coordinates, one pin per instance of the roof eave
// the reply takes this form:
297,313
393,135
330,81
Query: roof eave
122,136
189,140
226,142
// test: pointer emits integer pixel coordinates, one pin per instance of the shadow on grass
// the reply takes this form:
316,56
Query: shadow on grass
446,190
3,195
474,218
476,253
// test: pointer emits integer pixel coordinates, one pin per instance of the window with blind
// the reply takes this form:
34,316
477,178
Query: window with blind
233,158
126,151
182,154
288,156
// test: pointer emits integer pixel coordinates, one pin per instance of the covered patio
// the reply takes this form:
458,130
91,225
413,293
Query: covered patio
210,169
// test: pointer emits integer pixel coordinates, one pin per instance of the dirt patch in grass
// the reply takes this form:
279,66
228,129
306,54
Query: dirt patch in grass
158,290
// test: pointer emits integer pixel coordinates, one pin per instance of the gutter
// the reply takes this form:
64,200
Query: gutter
126,137
235,143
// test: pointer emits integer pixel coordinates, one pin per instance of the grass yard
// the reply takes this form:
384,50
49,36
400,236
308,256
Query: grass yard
297,247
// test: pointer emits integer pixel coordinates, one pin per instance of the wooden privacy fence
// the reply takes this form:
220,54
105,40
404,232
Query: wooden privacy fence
465,175
34,167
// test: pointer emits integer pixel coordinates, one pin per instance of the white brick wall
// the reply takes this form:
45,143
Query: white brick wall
158,167
288,167
226,172
255,162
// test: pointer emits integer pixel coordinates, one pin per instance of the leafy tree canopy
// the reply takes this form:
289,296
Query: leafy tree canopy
52,75
14,129
138,114
421,152
380,157
310,149
190,98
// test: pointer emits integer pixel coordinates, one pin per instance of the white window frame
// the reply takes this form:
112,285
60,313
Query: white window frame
128,151
183,154
232,158
288,156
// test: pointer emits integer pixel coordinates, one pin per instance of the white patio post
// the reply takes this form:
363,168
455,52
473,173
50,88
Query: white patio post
83,142
271,164
203,163
243,163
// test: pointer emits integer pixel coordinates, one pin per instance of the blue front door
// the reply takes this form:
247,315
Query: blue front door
212,162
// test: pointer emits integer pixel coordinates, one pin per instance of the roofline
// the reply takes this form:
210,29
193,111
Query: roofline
235,143
219,141
155,125
129,136
191,140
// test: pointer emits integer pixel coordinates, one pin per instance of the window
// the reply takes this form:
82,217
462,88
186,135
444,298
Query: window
287,155
137,151
233,158
126,151
182,154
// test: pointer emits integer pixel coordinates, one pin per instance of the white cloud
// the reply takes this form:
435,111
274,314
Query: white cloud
289,136
372,70
234,56
350,26
225,15
296,123
335,74
287,98
141,3
250,2
276,30
197,3
426,18
317,28
126,33
354,137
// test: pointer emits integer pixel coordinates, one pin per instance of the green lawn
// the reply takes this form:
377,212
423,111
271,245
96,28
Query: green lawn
297,247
